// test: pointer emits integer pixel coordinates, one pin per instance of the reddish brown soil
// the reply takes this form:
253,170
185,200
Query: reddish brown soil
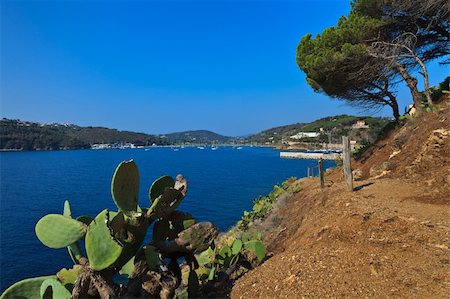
387,239
419,153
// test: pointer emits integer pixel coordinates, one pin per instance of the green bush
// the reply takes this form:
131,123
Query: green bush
263,204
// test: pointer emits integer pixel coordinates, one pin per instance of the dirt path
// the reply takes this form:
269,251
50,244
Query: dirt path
376,242
387,239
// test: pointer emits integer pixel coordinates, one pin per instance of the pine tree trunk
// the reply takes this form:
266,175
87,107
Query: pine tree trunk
411,82
392,102
395,111
425,80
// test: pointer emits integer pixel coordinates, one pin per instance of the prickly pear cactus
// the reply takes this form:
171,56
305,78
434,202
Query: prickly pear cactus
117,262
85,219
102,248
169,227
125,186
179,221
27,288
159,186
58,231
73,249
52,288
67,212
166,203
161,230
198,237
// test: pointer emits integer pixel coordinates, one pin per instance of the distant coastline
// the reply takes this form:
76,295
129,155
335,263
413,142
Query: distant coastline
324,133
27,135
140,147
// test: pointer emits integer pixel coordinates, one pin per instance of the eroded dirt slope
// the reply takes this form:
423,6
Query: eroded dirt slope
387,239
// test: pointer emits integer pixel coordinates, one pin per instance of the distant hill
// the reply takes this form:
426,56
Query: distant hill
25,135
197,137
333,127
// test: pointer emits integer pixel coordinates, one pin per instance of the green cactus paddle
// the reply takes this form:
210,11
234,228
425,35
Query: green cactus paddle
58,231
125,186
101,248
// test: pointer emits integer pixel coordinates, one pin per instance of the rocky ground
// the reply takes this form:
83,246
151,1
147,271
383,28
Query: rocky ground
387,239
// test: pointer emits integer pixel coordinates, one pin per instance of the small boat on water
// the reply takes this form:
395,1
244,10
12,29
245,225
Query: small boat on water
201,147
214,148
239,148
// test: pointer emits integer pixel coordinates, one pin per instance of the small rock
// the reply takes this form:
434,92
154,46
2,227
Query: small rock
441,246
394,153
385,167
357,174
322,230
366,216
289,278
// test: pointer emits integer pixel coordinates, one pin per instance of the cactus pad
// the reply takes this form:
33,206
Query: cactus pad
75,252
198,237
125,186
67,212
205,257
151,257
193,285
128,268
58,231
118,225
236,247
85,219
52,288
101,248
27,288
161,230
166,203
69,276
257,247
179,221
159,186
170,226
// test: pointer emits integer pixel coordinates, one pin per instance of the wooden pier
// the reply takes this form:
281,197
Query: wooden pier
309,156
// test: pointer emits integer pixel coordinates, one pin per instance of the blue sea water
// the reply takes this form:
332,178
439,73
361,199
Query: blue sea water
222,184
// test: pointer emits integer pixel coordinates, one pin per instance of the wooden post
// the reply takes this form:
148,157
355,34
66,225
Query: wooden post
308,172
346,161
321,174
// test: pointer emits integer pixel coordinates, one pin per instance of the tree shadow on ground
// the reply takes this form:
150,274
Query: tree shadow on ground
362,186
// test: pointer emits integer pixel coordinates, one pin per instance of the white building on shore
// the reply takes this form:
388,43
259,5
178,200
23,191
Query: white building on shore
301,135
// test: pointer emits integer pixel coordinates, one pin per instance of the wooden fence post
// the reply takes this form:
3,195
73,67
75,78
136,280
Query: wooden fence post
346,161
321,174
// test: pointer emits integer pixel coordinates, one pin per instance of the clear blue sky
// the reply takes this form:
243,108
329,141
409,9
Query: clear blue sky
163,66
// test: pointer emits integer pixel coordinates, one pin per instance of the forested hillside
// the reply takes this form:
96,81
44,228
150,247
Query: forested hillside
199,136
333,127
23,135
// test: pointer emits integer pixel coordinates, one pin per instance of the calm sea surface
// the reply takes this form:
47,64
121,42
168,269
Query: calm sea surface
222,184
